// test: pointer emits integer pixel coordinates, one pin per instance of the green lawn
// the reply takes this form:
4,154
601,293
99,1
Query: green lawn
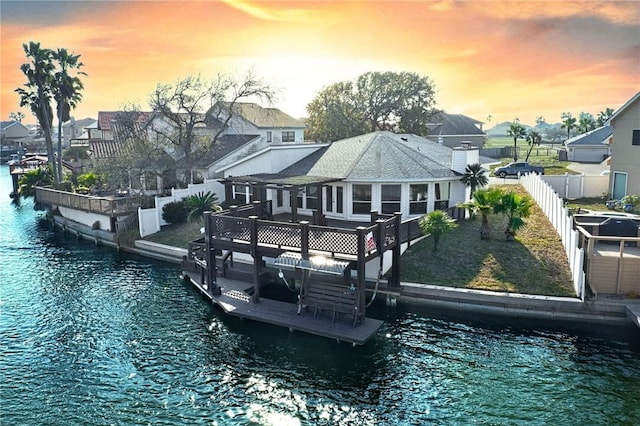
177,235
533,264
545,155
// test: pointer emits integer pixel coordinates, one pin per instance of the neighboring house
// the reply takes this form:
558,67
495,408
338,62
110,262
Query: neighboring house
350,177
271,124
625,149
12,130
590,147
74,129
452,129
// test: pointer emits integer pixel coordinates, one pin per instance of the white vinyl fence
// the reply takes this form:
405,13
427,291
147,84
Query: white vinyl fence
150,220
553,207
578,186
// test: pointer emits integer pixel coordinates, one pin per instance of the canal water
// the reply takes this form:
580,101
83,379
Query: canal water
89,336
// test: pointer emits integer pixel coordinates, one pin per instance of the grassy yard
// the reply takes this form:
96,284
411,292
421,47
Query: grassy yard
593,204
177,235
533,264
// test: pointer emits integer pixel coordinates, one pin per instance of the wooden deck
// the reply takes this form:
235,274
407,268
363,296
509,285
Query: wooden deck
235,299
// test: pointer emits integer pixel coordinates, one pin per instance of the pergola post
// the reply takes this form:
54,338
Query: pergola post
294,203
361,280
396,251
257,261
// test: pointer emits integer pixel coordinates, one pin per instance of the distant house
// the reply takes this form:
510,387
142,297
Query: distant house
13,130
271,124
590,147
625,149
74,129
350,177
452,129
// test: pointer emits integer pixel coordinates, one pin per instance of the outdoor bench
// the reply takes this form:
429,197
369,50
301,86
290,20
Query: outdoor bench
338,299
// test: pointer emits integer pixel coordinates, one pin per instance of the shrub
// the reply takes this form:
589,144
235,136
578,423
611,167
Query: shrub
96,225
175,212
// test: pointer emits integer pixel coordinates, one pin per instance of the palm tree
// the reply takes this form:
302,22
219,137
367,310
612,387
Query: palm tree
437,223
516,208
484,202
200,203
533,138
67,94
586,122
36,93
604,116
474,176
517,131
31,179
568,122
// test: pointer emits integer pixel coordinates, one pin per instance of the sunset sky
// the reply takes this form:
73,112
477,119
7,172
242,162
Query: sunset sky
505,59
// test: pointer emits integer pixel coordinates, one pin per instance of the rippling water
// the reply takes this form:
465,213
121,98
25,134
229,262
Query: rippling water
90,336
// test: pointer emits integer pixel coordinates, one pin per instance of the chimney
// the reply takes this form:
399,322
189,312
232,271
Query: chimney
462,156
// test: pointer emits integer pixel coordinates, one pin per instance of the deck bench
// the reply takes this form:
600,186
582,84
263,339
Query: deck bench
338,299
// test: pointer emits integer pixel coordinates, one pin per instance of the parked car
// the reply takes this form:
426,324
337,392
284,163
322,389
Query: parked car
514,169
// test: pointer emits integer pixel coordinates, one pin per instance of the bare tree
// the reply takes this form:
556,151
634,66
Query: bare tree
181,111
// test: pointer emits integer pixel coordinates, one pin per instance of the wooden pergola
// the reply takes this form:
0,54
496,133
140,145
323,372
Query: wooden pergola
259,183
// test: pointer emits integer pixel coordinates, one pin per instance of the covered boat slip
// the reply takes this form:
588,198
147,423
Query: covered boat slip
331,300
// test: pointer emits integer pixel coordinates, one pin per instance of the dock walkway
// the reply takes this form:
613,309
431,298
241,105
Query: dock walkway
235,299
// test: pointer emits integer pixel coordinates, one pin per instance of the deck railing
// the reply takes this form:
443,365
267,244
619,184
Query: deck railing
112,207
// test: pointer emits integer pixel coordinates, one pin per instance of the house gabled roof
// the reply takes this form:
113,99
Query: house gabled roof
105,118
454,124
264,117
595,137
378,155
624,107
224,146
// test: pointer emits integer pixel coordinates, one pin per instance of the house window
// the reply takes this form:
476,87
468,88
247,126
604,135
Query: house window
241,194
311,197
418,200
269,137
635,139
288,136
361,199
442,196
390,198
279,198
329,199
339,199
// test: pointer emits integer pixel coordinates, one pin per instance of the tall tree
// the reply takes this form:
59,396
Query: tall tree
539,122
36,92
516,131
586,122
533,138
182,110
402,102
603,116
67,92
474,176
16,116
568,122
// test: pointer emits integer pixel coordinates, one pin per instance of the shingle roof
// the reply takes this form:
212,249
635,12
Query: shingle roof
379,155
454,124
265,117
225,145
105,118
598,136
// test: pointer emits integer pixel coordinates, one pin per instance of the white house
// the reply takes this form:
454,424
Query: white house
270,124
348,178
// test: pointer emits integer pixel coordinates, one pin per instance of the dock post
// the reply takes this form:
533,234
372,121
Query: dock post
210,255
396,251
360,275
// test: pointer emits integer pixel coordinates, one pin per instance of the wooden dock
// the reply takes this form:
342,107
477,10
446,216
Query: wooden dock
235,299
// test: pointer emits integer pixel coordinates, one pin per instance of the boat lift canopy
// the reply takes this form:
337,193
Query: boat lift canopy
321,264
